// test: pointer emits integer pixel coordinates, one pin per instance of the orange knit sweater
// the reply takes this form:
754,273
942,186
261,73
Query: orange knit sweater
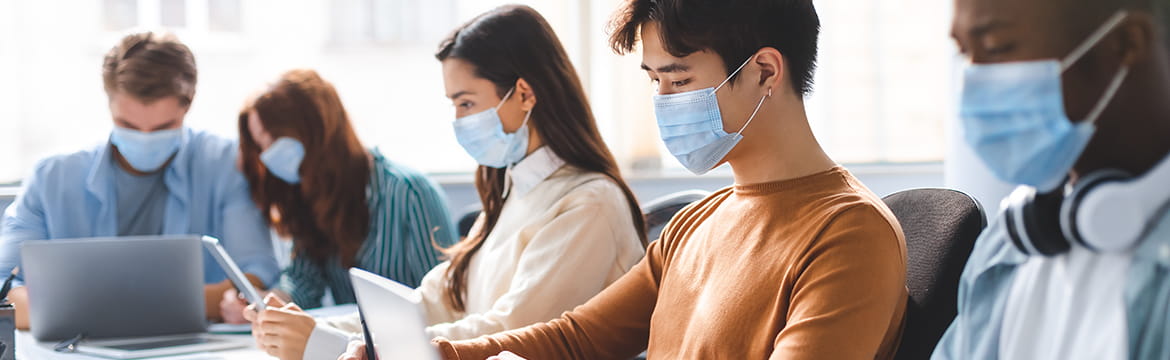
809,268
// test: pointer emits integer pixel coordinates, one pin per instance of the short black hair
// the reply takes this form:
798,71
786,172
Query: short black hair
733,29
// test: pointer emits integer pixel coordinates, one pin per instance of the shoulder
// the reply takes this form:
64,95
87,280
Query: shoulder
208,148
389,177
589,189
74,166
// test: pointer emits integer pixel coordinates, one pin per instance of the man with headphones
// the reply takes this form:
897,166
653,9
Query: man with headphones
1070,99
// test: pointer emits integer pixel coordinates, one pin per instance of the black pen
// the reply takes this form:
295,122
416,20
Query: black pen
8,284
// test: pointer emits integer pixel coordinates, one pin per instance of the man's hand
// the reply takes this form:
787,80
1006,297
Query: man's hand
213,295
282,330
356,351
231,308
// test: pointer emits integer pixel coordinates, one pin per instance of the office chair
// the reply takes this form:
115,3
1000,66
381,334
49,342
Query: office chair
941,227
659,211
467,220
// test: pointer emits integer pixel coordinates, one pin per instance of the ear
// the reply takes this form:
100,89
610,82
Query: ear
1135,37
772,73
525,94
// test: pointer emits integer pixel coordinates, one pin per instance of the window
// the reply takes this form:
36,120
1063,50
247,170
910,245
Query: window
882,93
197,15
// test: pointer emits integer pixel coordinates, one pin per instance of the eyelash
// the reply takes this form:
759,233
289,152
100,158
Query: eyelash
678,83
465,105
1000,50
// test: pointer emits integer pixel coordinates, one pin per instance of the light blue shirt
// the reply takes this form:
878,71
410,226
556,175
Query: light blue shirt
987,280
73,196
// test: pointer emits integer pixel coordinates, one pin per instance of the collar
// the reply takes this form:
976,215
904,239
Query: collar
1155,244
533,170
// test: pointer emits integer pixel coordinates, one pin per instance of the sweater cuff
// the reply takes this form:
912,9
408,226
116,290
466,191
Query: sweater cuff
446,350
326,343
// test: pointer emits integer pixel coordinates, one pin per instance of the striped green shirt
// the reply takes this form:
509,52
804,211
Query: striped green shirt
405,209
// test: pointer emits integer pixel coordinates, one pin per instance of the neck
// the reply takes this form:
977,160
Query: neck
1132,136
778,145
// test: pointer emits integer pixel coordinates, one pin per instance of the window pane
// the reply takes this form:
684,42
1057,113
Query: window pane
173,13
120,14
224,15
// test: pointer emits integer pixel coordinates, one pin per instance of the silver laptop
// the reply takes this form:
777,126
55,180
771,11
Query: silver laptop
127,297
393,317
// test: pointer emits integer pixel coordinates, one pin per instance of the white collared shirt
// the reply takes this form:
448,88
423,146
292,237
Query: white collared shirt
533,170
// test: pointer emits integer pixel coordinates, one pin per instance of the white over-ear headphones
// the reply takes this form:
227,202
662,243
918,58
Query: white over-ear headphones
1107,211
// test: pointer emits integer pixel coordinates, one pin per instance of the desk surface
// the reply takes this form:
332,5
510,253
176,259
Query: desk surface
27,348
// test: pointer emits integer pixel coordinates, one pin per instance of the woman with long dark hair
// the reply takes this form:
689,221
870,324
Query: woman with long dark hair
342,204
558,223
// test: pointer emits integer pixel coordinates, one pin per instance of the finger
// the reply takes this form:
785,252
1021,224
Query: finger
273,300
230,294
250,313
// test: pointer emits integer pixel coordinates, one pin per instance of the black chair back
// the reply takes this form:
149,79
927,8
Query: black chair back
941,226
659,211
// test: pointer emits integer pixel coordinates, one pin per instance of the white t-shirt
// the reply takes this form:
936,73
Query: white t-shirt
1069,306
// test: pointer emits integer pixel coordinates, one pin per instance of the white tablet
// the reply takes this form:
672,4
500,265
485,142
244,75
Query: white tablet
233,272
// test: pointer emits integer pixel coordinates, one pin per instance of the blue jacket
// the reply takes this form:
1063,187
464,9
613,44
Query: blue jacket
73,196
987,280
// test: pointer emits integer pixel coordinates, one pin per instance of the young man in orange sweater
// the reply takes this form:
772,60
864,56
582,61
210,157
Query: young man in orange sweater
797,260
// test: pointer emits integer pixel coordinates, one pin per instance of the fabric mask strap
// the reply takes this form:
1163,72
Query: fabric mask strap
505,99
1111,91
733,73
1093,39
758,106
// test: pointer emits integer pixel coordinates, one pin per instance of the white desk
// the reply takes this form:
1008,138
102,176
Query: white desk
27,348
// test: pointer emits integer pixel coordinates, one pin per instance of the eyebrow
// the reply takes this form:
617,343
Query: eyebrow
168,125
458,94
987,26
670,68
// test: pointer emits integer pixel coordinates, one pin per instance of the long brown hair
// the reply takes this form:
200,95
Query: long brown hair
326,214
504,45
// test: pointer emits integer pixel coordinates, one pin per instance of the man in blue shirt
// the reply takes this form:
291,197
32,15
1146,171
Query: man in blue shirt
1068,98
154,177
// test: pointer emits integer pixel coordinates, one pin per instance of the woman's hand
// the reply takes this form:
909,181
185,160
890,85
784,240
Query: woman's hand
232,308
356,351
281,330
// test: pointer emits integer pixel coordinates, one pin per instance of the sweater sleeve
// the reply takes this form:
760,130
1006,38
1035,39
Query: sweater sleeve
614,324
846,291
566,262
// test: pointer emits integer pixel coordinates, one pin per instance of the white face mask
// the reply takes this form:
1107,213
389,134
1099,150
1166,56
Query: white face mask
691,126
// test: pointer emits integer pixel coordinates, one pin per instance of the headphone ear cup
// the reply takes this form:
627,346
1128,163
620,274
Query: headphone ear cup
1072,206
1033,223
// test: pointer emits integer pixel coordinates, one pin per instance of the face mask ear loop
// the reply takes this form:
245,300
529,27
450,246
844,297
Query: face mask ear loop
508,170
1110,92
505,99
733,74
1093,39
758,106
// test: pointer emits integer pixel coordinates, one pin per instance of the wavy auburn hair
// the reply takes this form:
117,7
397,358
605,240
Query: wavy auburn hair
326,214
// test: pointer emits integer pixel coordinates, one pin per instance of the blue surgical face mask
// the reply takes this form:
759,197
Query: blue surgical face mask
1013,116
482,136
283,158
146,151
691,126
